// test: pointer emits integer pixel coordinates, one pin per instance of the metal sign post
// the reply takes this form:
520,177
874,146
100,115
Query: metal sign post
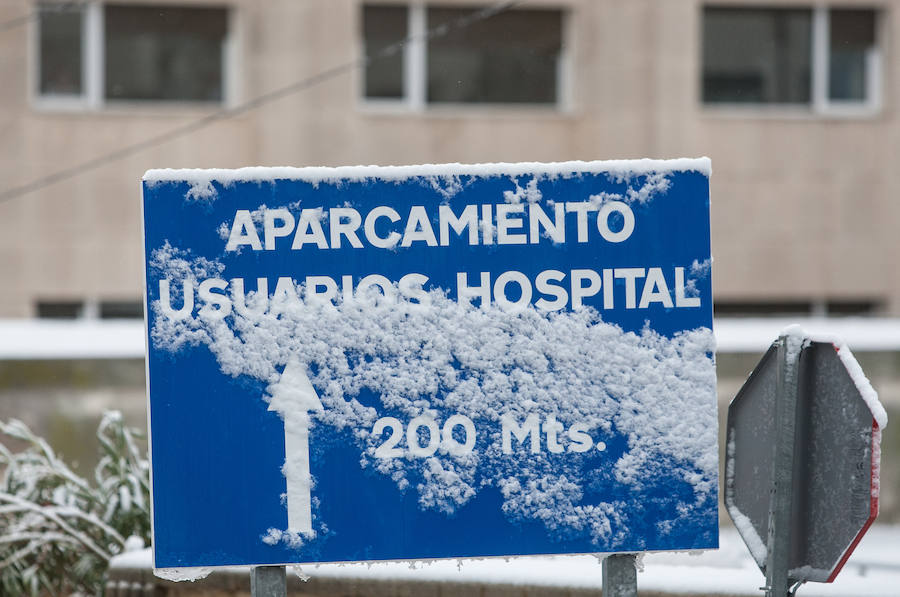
268,581
619,575
781,500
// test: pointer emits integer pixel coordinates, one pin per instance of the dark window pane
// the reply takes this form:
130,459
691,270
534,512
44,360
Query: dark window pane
757,55
60,50
511,57
723,308
121,310
852,38
59,309
853,307
384,28
164,52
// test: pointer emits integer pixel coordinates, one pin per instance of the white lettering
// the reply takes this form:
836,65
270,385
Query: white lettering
243,232
581,209
500,291
537,219
579,291
655,290
581,440
165,300
467,219
285,296
505,222
328,286
530,428
464,292
552,427
217,305
273,231
344,221
411,286
630,274
309,229
453,446
603,221
487,224
412,437
543,285
418,228
386,242
365,287
260,297
680,299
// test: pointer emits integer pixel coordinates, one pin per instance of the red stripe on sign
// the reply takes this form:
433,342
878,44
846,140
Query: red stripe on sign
873,504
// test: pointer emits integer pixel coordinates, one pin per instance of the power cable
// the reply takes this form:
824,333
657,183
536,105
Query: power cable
259,101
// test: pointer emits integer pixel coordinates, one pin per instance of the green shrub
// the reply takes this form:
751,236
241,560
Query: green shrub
58,530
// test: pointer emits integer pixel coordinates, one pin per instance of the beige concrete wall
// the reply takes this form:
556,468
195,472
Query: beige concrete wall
803,205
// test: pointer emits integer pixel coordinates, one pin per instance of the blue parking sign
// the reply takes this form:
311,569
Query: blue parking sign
380,363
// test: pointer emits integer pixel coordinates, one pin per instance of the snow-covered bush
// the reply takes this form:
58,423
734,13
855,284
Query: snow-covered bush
58,530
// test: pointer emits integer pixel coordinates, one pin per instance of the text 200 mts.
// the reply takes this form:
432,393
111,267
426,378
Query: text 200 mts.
423,436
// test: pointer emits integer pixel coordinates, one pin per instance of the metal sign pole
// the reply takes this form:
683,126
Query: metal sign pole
619,575
268,581
781,497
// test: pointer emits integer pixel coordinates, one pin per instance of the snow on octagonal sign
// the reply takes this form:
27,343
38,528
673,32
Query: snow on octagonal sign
431,361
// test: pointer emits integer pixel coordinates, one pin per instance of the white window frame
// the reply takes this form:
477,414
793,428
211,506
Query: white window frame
415,73
93,69
820,104
821,62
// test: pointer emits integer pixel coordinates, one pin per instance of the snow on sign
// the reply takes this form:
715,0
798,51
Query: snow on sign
430,361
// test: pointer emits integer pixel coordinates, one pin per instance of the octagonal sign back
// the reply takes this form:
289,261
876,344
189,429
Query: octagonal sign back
837,455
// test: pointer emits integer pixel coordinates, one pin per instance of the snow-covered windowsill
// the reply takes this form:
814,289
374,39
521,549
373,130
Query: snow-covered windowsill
25,339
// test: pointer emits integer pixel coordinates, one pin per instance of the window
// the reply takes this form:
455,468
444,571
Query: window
818,57
89,309
121,310
383,28
91,53
851,49
829,307
59,309
61,51
757,56
512,57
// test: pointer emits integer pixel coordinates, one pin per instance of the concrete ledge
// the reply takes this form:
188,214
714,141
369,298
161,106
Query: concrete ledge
134,582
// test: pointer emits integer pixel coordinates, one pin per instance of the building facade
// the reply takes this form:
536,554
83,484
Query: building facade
795,103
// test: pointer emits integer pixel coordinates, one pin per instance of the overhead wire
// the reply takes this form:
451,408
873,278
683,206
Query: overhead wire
254,103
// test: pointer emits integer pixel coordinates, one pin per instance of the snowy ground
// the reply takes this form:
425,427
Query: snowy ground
873,570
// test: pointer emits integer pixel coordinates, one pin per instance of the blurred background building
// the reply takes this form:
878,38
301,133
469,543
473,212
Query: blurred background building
795,102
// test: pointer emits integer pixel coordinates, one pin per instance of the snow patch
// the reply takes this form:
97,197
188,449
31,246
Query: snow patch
182,574
796,333
446,185
292,539
754,542
201,190
529,193
440,172
868,393
485,363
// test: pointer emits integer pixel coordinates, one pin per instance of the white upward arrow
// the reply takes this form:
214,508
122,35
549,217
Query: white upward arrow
293,396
